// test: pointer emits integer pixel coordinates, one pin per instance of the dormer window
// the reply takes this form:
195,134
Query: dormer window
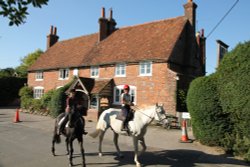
63,74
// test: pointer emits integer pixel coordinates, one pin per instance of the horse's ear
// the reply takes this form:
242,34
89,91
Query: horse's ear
156,104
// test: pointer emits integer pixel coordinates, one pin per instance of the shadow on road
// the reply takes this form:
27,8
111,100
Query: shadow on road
172,158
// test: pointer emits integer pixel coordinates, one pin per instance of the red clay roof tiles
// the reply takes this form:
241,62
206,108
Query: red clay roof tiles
149,41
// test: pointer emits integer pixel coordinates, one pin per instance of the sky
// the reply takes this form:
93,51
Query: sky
76,18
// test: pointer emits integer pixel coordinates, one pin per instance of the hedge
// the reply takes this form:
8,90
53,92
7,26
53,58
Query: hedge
9,88
234,90
208,121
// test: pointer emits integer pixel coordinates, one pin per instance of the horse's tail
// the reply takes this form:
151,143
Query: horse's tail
102,123
95,133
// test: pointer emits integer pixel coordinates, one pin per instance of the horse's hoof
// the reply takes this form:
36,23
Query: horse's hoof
138,165
100,154
120,155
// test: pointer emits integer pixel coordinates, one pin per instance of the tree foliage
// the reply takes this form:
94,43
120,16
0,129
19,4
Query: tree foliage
17,10
26,62
7,72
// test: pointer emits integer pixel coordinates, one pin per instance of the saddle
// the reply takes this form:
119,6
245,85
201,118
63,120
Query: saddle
120,116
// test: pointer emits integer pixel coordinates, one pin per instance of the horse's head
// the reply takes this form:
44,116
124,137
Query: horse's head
158,109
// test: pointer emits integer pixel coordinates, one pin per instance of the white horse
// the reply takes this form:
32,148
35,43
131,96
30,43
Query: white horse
137,127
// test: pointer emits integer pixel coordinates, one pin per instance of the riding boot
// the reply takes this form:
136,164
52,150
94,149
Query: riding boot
124,126
83,131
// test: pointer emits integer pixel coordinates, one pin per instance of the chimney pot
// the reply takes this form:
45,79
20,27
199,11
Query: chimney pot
51,29
110,13
55,29
103,12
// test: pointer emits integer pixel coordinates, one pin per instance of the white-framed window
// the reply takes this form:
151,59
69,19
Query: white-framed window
75,72
120,70
38,92
146,68
63,74
39,75
118,90
94,71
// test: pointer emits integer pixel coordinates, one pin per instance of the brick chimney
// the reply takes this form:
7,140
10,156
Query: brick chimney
111,22
201,42
106,26
190,12
52,38
222,49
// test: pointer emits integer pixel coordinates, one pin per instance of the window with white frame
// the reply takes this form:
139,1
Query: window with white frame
118,90
94,71
120,70
39,75
146,68
64,74
38,92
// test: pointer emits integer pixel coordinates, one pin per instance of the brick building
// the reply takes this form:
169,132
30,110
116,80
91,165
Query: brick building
158,60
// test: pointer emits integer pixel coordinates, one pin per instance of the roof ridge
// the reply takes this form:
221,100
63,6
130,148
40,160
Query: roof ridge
151,22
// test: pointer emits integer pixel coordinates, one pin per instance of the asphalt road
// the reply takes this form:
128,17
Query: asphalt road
28,144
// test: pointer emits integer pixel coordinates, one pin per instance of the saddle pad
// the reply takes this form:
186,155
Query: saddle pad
120,116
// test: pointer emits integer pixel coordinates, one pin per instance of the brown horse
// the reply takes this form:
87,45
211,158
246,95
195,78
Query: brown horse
73,130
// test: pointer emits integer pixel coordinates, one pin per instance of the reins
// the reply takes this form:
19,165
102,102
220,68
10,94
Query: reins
139,110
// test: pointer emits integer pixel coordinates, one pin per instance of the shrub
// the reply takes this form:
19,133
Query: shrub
46,98
234,92
58,100
26,94
208,121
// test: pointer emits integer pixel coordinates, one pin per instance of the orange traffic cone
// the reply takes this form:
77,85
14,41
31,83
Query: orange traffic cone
16,118
184,137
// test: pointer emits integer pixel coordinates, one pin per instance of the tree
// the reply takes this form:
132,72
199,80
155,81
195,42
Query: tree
16,10
27,61
7,72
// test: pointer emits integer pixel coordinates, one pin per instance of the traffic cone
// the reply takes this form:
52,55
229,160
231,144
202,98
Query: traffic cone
184,137
16,118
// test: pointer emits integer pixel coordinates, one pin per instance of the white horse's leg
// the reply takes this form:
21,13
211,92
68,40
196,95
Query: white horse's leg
143,144
101,135
115,139
135,140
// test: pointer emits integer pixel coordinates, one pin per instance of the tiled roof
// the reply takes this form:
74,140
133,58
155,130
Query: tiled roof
68,53
149,41
95,86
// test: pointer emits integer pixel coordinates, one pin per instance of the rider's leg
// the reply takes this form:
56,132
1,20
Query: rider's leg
125,113
83,123
63,122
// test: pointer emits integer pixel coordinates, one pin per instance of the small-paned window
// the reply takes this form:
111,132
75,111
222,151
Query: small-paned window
120,70
146,68
94,71
38,92
39,75
64,74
